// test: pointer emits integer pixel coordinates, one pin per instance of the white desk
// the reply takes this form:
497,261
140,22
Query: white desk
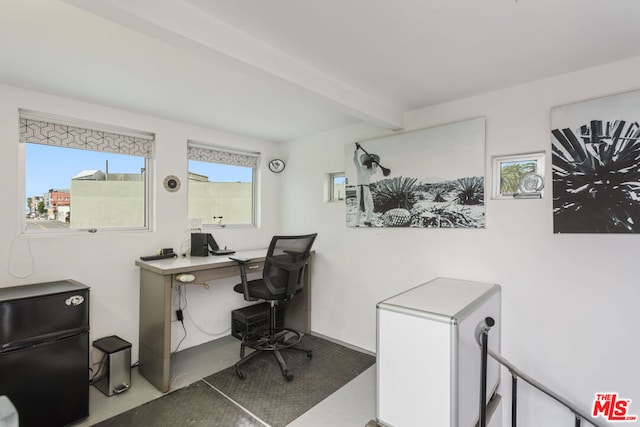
156,281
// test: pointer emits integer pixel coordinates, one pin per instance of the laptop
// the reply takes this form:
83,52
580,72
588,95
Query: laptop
215,249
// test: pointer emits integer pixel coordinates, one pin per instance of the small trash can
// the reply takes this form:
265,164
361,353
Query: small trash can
115,365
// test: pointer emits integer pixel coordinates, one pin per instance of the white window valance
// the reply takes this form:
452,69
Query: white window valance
221,155
42,128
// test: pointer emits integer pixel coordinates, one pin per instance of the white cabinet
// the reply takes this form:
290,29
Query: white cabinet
428,361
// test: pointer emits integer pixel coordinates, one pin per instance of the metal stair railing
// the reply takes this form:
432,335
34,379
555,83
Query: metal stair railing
481,335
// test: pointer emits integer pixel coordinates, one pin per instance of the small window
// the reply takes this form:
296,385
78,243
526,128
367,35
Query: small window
221,185
337,183
518,176
83,175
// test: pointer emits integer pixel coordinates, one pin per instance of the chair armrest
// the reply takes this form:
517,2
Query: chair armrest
243,276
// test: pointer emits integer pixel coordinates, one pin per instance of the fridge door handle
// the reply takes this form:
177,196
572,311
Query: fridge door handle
74,300
38,341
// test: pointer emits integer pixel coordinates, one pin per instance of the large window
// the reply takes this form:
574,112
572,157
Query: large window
221,185
84,175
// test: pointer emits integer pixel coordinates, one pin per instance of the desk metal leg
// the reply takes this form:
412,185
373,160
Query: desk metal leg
297,315
155,328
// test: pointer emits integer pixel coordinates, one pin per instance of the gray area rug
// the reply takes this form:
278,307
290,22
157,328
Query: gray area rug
277,402
196,405
264,392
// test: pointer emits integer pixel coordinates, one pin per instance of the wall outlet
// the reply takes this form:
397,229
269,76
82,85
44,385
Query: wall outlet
194,225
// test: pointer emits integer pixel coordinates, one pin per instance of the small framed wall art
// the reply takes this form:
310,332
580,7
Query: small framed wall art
519,176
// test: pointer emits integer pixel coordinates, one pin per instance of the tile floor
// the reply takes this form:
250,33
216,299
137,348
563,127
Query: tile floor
351,406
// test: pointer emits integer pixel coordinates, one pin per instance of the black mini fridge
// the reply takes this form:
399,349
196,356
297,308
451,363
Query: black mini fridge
44,352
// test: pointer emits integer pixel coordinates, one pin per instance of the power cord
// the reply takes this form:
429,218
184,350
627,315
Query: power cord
181,295
180,318
101,366
181,302
182,251
211,334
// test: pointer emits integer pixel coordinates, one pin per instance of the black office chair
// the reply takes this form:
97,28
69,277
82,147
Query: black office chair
282,278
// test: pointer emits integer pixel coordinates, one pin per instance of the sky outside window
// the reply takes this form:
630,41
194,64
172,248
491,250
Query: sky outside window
217,172
50,167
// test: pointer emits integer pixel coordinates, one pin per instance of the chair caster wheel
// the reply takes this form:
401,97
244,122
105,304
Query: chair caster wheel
240,374
288,377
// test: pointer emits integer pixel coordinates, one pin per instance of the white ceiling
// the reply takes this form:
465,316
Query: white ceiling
283,69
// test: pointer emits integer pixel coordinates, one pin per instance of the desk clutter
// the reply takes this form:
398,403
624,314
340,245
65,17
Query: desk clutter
249,319
161,254
203,244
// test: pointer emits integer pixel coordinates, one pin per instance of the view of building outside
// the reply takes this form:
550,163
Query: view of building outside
80,189
99,200
109,203
221,202
220,194
96,200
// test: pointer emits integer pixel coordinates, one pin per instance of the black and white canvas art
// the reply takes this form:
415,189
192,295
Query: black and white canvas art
596,165
431,178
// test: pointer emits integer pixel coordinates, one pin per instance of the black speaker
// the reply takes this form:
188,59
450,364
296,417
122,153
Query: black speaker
199,244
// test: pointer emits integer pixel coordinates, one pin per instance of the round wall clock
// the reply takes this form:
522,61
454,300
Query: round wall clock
171,183
276,165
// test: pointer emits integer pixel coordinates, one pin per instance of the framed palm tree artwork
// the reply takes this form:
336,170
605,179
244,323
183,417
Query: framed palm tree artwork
429,178
596,165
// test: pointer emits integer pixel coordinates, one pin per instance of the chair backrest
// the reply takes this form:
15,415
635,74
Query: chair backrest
285,263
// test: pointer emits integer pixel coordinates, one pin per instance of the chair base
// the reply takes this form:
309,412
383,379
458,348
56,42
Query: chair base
260,341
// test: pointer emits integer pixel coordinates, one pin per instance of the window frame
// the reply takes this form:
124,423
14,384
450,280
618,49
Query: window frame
232,152
332,186
89,126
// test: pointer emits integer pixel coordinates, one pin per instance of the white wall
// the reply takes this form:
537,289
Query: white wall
105,261
570,302
570,314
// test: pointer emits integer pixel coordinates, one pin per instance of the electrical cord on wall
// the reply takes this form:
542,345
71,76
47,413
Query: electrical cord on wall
180,295
180,300
181,320
211,334
13,256
101,366
182,252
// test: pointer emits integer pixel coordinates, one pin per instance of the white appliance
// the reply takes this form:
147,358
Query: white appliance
428,360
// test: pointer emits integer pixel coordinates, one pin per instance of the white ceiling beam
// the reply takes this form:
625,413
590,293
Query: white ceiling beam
188,28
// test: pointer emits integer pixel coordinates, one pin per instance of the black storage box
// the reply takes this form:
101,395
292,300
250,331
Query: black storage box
199,244
116,365
250,319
